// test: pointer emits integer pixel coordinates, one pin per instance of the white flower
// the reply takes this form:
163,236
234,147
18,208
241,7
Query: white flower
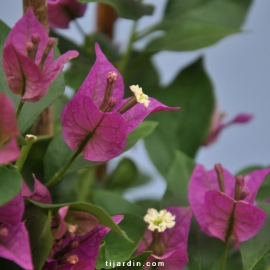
140,96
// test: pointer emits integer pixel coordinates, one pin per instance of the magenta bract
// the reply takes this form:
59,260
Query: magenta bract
102,133
175,240
78,251
214,209
14,244
217,125
61,12
28,59
9,150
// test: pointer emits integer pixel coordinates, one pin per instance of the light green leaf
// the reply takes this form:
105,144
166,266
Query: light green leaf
190,25
129,9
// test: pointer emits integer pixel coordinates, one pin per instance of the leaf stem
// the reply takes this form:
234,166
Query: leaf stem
124,61
224,255
57,177
30,139
19,109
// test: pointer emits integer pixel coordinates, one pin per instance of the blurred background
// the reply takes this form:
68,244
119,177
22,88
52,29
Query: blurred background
239,67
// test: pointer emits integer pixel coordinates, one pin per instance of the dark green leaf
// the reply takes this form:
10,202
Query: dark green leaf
95,210
135,228
264,191
129,9
58,154
10,184
114,204
30,111
256,251
190,25
187,128
142,131
178,180
38,225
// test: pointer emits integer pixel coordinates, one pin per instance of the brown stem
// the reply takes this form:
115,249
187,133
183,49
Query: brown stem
106,17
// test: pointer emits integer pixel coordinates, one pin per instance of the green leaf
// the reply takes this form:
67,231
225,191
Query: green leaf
95,210
129,9
58,154
10,184
135,228
249,169
190,25
264,191
178,180
114,204
187,128
30,111
256,251
38,225
142,131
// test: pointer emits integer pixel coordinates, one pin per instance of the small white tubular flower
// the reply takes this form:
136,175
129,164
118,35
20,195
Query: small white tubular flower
140,96
160,221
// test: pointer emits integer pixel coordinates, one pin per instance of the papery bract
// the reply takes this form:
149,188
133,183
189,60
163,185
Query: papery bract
14,244
174,239
28,62
61,12
9,150
78,251
217,125
215,209
39,194
102,133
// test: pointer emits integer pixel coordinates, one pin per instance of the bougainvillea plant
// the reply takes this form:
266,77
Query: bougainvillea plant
62,198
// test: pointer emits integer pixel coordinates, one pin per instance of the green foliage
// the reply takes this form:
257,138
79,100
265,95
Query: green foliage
38,224
114,204
135,228
178,180
191,25
256,251
187,128
10,184
129,9
95,210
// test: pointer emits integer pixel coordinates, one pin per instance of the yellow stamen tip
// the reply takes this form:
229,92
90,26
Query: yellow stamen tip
140,96
160,221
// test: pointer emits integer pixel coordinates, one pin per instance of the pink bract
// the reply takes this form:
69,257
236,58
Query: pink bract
106,131
15,244
175,240
61,12
23,74
217,125
9,150
214,209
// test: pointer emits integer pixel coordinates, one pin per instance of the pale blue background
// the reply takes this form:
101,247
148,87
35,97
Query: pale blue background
239,66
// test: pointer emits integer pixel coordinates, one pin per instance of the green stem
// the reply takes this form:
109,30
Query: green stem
224,255
44,137
19,109
124,61
145,32
59,175
30,139
79,28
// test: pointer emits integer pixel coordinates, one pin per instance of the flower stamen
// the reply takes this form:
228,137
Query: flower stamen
49,46
219,171
159,221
